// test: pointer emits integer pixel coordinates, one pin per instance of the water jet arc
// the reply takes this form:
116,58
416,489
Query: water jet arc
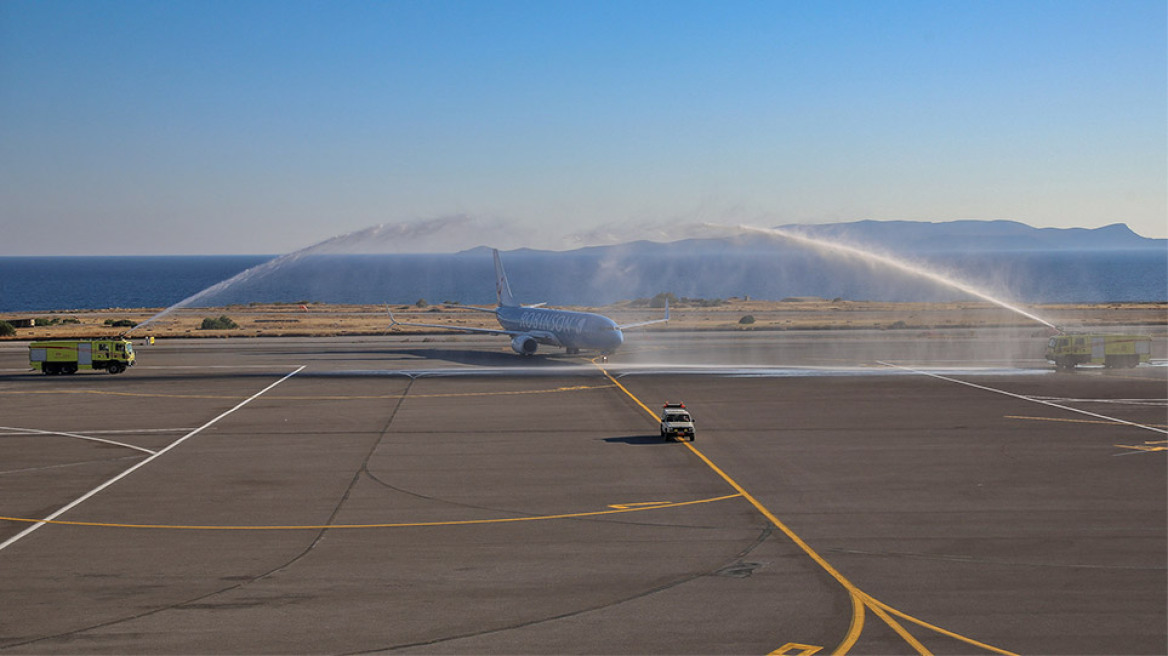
901,265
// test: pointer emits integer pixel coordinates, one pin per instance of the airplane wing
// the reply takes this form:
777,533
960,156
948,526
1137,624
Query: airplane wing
492,310
486,331
647,323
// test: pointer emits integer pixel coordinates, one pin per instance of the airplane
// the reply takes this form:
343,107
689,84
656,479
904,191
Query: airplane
528,326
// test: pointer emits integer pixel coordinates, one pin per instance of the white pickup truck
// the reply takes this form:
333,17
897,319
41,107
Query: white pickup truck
676,422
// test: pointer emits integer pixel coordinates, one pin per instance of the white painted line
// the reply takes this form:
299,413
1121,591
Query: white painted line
115,479
61,466
1029,398
34,431
128,431
1150,402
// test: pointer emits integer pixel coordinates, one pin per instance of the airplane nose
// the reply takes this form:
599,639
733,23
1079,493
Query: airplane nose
618,338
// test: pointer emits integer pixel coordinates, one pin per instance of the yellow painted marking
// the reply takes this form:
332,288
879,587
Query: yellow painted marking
746,495
555,390
860,599
796,649
932,627
628,393
856,627
1079,421
1141,448
320,527
1147,446
643,504
129,394
900,630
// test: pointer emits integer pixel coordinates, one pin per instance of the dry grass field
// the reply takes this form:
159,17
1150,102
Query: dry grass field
291,320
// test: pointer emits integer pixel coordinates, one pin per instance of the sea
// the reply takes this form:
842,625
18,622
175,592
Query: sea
588,277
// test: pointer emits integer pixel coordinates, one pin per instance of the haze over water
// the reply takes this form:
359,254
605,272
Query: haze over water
699,261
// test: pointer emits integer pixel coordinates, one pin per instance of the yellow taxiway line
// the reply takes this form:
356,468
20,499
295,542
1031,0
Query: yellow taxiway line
615,509
1067,420
860,599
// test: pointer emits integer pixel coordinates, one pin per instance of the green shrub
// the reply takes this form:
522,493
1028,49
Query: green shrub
701,302
747,320
224,322
120,323
659,300
6,329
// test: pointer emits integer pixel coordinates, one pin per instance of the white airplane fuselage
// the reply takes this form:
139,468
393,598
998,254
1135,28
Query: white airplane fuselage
565,328
528,326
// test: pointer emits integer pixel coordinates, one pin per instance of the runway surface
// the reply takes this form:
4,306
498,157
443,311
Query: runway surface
848,492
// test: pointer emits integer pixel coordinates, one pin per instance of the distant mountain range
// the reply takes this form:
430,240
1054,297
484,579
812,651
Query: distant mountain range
1016,260
1005,258
977,235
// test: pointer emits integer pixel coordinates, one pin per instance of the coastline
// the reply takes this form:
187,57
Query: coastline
331,320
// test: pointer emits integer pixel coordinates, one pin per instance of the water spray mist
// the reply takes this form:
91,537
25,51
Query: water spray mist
889,261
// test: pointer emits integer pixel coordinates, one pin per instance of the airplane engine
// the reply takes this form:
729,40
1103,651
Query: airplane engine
524,344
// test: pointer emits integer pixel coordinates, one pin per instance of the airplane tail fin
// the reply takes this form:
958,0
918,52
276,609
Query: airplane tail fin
502,287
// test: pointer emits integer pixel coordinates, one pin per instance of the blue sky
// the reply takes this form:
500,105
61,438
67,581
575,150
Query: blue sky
263,127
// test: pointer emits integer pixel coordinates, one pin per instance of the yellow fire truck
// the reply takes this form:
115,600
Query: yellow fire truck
68,356
1070,350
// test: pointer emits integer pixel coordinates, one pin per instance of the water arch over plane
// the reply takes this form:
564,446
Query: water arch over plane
528,326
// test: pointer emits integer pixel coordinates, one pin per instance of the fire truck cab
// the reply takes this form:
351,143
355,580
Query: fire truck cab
1113,351
68,356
